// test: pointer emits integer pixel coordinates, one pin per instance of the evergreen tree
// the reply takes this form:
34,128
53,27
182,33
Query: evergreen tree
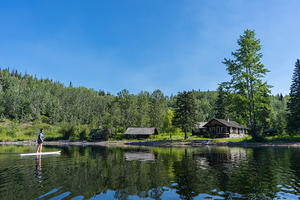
185,111
246,85
220,107
294,102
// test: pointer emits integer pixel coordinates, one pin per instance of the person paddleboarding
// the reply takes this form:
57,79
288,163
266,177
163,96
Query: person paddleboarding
40,141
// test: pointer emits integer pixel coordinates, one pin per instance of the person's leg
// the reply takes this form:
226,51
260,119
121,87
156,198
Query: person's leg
38,147
41,148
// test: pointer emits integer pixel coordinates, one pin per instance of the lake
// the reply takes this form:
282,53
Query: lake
150,173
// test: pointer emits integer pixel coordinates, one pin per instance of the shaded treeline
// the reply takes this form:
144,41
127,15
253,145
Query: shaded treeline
26,98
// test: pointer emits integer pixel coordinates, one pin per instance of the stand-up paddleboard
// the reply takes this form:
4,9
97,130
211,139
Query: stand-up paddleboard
37,154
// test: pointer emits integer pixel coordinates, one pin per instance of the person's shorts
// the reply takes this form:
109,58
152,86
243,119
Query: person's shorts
40,142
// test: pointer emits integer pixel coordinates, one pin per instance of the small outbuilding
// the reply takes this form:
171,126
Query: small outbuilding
140,132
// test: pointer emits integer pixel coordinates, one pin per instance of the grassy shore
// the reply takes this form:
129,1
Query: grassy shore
15,131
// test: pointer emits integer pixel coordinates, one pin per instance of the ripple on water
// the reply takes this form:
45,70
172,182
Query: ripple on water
95,174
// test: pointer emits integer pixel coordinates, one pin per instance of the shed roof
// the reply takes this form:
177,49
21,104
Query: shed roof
140,131
228,123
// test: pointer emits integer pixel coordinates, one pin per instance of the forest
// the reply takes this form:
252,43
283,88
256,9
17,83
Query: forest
246,98
25,98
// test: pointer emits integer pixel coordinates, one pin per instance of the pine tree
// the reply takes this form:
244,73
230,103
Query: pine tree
185,111
294,102
220,107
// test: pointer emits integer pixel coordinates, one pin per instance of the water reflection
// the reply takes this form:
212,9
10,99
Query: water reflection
154,173
38,168
139,155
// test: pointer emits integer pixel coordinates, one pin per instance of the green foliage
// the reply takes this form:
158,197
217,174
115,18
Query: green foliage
249,95
220,107
167,125
84,131
100,134
278,115
45,119
205,105
67,130
185,111
294,102
158,109
55,107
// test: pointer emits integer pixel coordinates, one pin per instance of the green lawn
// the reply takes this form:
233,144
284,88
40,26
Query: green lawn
179,137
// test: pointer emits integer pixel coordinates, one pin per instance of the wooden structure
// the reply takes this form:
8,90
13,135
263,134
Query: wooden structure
219,128
140,132
199,129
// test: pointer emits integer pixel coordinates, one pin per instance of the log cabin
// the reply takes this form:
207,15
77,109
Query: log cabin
220,128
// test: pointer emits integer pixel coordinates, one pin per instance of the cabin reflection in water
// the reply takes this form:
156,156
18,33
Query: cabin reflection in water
220,159
140,156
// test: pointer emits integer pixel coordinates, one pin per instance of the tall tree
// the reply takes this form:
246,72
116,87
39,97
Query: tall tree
294,102
185,111
220,107
143,108
158,109
246,83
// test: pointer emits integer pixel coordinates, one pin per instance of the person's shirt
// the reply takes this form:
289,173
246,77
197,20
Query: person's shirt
41,136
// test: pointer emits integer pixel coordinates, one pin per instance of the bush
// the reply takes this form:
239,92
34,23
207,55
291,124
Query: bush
29,133
45,119
100,134
83,132
11,133
67,130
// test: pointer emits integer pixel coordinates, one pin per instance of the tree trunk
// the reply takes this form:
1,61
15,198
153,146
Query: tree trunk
249,97
185,134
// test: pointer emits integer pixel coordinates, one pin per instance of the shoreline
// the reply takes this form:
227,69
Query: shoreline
192,143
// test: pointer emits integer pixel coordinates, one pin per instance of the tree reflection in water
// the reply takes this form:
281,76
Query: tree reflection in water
186,173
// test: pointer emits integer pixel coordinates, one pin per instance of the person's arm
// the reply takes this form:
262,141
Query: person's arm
40,137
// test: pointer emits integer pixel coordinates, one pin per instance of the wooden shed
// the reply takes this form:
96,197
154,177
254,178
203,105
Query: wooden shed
140,132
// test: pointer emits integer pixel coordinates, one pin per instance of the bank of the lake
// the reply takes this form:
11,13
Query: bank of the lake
16,133
157,143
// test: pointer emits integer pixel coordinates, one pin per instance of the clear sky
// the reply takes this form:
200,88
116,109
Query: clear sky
172,45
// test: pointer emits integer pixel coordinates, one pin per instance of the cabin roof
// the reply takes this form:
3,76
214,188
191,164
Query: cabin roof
227,123
140,131
200,125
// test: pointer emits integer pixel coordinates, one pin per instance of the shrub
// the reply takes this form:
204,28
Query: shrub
67,130
45,119
83,132
100,134
29,133
11,133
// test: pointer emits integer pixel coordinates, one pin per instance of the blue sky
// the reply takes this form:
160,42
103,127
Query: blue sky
172,45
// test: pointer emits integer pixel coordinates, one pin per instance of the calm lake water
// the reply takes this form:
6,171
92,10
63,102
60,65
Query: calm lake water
152,173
